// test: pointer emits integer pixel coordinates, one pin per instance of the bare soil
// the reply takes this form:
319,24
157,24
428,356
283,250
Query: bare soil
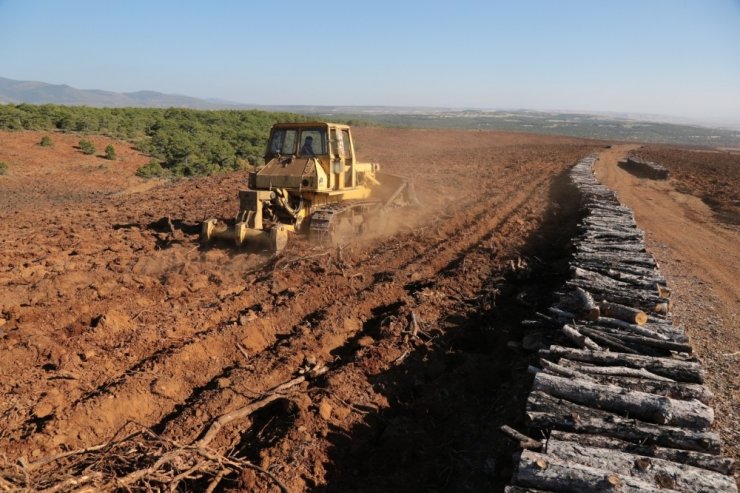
699,255
711,175
114,316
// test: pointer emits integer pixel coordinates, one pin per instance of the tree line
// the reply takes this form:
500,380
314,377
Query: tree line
180,141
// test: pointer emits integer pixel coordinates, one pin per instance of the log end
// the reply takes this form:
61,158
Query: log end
661,308
593,314
641,318
613,481
663,291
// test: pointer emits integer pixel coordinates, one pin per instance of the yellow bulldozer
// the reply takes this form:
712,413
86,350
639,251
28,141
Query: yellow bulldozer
311,183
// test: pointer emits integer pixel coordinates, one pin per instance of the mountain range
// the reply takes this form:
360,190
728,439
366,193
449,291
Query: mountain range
25,91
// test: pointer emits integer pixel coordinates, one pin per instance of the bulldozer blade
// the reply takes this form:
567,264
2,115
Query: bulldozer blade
397,191
275,239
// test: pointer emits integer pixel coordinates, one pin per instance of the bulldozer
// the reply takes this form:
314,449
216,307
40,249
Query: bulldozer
311,183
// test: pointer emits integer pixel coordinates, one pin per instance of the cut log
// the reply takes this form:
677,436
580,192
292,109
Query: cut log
627,429
537,470
653,470
655,330
522,489
524,441
662,308
610,342
607,222
615,371
602,235
640,340
545,403
663,291
674,390
532,324
647,407
606,282
635,379
561,315
616,258
579,339
682,371
585,304
594,246
556,369
710,462
621,271
629,379
645,300
549,321
621,312
635,329
616,209
619,276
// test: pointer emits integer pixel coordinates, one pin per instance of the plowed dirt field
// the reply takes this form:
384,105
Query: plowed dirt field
114,316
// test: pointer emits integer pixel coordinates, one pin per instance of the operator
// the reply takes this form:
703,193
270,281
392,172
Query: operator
307,149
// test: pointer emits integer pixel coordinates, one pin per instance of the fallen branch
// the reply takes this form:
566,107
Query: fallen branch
242,412
524,441
243,351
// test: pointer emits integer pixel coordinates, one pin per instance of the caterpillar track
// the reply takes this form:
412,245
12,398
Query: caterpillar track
335,221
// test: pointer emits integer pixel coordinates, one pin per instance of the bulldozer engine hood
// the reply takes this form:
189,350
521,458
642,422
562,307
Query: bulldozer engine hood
291,172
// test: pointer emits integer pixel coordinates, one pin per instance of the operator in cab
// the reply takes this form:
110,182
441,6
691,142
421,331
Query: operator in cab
307,149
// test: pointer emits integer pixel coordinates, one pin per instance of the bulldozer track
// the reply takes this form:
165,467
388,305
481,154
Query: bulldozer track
324,220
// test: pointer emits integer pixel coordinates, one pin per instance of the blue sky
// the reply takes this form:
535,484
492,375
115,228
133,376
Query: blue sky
672,57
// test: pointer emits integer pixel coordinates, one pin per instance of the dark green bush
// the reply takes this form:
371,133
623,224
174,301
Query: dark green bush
46,141
3,168
110,152
150,170
86,147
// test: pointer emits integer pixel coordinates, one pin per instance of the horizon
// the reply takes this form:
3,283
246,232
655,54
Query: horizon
677,60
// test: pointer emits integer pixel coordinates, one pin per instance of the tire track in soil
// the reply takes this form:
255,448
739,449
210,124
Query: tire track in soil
161,382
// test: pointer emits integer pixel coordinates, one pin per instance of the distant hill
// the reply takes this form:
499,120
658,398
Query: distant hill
619,126
24,91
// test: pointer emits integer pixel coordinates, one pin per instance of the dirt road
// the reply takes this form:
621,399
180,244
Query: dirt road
700,257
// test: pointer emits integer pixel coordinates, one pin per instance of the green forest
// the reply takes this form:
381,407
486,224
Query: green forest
182,142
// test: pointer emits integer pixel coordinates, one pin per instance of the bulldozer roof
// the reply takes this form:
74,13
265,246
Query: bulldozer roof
309,124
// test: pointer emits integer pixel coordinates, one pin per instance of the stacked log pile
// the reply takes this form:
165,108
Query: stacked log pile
625,409
644,169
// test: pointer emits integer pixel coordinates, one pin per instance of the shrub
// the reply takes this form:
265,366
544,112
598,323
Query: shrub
150,170
87,147
3,168
110,152
46,141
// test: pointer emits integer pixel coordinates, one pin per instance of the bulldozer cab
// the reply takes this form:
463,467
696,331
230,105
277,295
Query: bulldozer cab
309,156
301,142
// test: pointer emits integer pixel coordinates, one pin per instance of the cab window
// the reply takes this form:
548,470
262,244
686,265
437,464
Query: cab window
283,141
313,142
346,142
